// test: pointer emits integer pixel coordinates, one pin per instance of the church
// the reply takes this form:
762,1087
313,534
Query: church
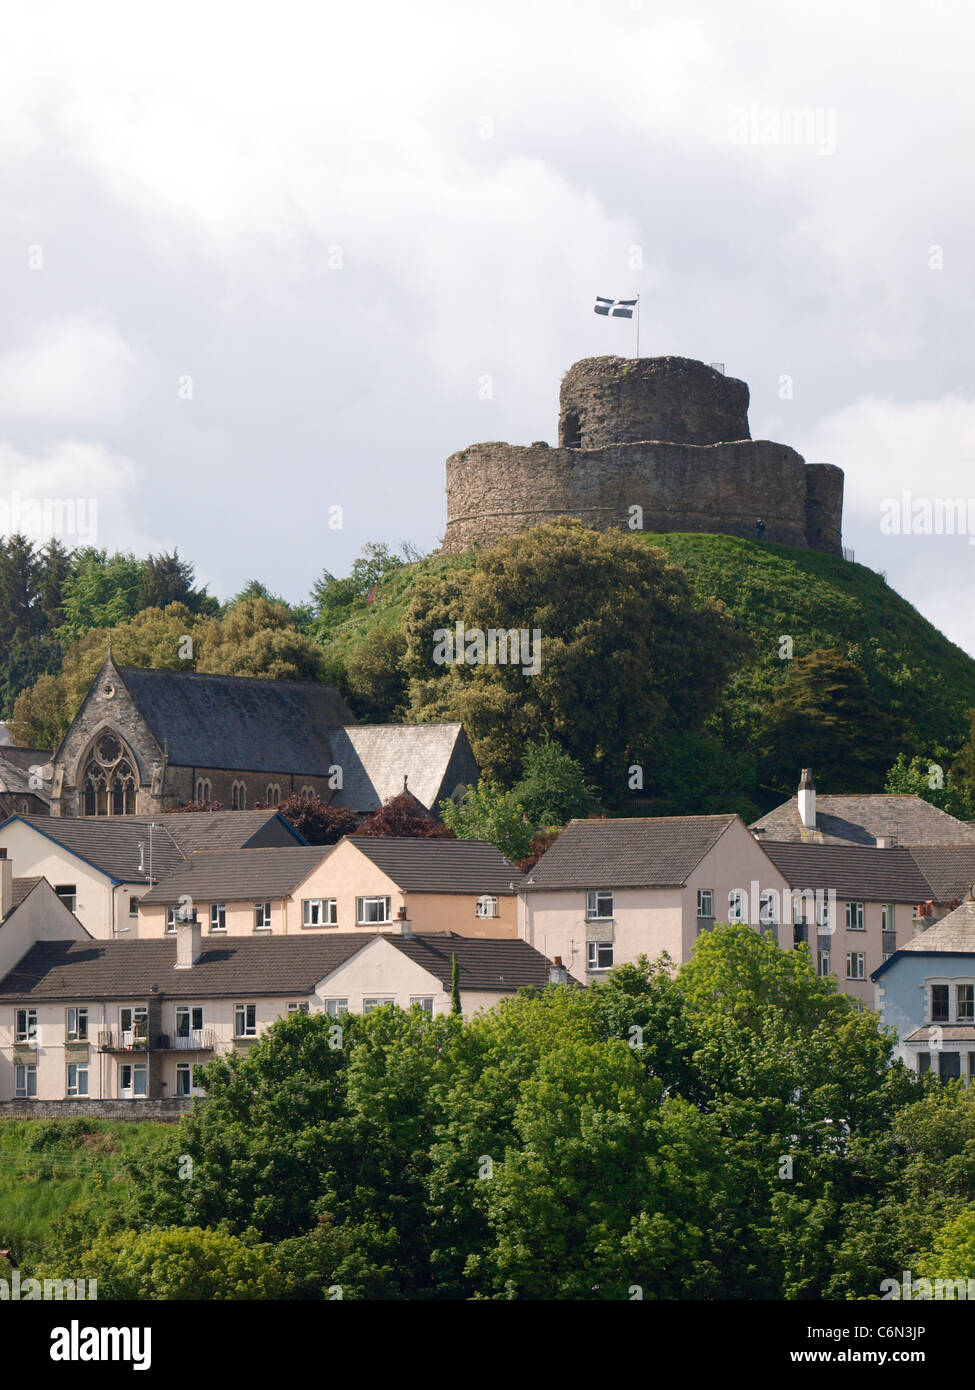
149,741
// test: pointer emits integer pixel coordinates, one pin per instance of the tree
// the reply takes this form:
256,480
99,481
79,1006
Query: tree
333,600
257,638
404,815
100,592
313,817
488,812
553,788
179,1263
623,651
926,778
825,716
168,579
455,1007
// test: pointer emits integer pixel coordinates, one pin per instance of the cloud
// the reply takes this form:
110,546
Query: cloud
69,370
78,492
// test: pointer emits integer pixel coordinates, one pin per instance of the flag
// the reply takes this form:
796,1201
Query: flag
615,308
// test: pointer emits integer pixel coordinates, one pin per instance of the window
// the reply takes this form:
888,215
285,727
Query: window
77,1079
184,1078
800,933
308,790
133,907
272,794
189,1019
854,917
108,780
25,1082
171,918
487,906
599,905
949,1066
824,966
599,955
218,916
887,917
768,914
940,1009
423,1001
924,1061
238,796
68,893
25,1025
336,1007
262,916
368,910
369,1004
133,1024
888,943
319,912
736,905
299,1007
132,1080
854,965
77,1024
203,789
705,903
966,1004
245,1020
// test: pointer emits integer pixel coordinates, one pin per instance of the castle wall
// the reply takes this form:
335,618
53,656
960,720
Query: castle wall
496,490
612,400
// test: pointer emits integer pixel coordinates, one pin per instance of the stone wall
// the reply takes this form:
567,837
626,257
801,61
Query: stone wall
615,400
170,1109
497,490
665,434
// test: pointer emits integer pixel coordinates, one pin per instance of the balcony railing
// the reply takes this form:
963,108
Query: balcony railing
198,1040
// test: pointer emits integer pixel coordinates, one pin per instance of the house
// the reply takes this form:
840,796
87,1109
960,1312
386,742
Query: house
102,867
866,819
149,741
31,911
926,991
875,894
364,883
608,891
84,1020
25,780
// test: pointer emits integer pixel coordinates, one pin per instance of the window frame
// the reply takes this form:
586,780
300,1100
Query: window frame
862,957
860,913
262,916
247,1009
28,1032
24,1091
373,921
593,898
77,1033
702,895
487,906
80,1070
594,951
218,911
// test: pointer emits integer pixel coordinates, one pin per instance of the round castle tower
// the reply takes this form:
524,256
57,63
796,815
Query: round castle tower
666,435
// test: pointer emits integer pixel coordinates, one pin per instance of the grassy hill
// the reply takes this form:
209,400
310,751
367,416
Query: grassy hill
774,591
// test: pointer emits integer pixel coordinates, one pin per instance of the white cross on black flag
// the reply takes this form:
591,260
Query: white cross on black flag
615,308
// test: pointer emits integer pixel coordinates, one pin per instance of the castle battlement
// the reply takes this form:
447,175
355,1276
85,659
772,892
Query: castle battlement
666,434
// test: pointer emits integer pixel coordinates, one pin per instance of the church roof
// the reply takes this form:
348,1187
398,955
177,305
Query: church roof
374,759
239,722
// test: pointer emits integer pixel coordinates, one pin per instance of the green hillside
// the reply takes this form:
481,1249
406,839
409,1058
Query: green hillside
773,592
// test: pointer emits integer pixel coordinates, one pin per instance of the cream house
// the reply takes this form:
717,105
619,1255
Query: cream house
103,868
91,1021
608,891
365,884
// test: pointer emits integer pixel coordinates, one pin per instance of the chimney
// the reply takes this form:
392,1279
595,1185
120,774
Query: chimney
557,973
807,799
6,884
187,942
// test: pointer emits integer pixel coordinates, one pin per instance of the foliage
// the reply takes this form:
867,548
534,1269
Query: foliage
179,1263
313,817
488,812
927,778
403,815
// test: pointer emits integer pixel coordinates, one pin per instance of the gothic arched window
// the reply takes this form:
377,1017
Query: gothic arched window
108,783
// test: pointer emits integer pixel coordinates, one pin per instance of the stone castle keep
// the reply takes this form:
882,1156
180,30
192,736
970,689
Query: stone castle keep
666,434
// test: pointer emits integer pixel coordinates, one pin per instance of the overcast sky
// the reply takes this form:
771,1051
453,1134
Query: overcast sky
259,260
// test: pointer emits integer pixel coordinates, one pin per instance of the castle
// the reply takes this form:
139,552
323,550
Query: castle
652,443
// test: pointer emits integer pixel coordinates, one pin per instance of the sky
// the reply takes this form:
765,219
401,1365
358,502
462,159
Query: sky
262,261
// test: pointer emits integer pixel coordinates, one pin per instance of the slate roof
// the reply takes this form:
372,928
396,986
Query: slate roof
484,963
71,970
440,866
57,970
16,778
26,758
110,843
954,933
240,723
862,819
648,852
233,875
374,759
196,831
22,888
856,872
947,1032
950,869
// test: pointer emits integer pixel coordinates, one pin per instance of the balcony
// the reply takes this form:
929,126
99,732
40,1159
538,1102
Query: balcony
199,1040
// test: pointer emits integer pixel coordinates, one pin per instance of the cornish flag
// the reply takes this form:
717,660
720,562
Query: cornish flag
615,308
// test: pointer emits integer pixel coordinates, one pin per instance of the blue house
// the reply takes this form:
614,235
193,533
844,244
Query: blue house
926,991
